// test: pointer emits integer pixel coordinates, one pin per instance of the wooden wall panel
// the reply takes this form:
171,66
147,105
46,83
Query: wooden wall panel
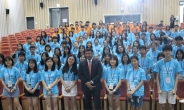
152,10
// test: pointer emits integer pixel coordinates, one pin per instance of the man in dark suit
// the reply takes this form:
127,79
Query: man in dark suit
90,72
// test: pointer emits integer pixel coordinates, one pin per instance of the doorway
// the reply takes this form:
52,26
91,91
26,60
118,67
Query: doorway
30,22
58,16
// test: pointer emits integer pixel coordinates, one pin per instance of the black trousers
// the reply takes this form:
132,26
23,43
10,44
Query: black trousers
96,99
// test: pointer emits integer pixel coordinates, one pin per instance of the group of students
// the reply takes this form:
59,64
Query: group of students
124,56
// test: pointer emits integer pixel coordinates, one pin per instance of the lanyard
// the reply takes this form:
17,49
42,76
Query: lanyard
30,77
9,74
112,76
125,68
154,55
134,74
49,75
167,69
69,74
142,62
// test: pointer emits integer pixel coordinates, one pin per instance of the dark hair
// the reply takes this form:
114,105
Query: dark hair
32,47
142,47
28,38
44,35
153,35
89,49
21,54
127,56
74,66
35,68
114,57
163,40
103,53
117,51
43,41
180,50
92,35
59,61
79,53
2,56
88,43
105,62
8,58
134,57
159,55
167,48
21,46
51,39
138,44
69,43
38,37
178,38
59,51
42,62
47,45
71,32
66,47
53,66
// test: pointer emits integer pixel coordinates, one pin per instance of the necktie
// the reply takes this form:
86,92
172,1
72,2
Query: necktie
89,66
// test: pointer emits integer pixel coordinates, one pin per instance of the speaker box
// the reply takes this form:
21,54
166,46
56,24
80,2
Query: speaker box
96,2
41,4
7,11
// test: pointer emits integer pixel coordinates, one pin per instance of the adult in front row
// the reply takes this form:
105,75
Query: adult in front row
90,72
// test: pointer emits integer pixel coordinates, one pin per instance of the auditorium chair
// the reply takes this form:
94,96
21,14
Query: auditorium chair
1,91
147,99
180,95
25,103
79,97
123,96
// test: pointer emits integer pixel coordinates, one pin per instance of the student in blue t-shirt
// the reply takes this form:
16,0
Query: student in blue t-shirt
65,54
33,54
10,78
21,65
69,82
41,64
178,45
18,49
1,62
167,71
125,64
49,50
135,77
112,80
27,45
120,50
41,48
55,43
145,62
180,59
31,79
50,78
57,61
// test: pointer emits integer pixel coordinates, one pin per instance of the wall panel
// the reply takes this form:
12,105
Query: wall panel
152,10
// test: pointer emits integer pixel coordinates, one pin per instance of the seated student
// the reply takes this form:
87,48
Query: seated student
57,61
96,47
159,30
125,64
10,78
116,44
120,50
137,38
148,33
44,36
57,51
87,29
55,43
158,44
178,45
41,48
145,40
26,46
63,44
180,59
112,80
135,77
94,28
50,78
99,37
168,31
75,49
48,50
145,62
1,62
103,29
72,36
56,32
37,43
15,54
41,64
167,71
106,61
33,54
31,79
81,33
106,50
65,54
153,52
50,40
21,65
164,39
176,32
85,38
134,52
69,82
81,51
77,29
91,36
81,41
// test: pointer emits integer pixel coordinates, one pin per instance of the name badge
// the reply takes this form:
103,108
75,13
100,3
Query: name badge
168,80
111,86
9,84
132,86
29,86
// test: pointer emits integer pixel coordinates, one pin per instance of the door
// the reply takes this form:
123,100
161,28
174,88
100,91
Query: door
30,22
54,17
64,16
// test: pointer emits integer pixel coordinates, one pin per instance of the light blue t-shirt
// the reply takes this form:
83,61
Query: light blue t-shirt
22,67
41,49
146,63
53,46
32,79
124,68
135,77
10,75
69,76
41,68
49,77
167,72
153,56
175,48
182,67
113,76
36,57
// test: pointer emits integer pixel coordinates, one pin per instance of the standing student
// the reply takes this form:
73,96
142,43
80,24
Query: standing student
125,64
180,58
145,62
31,80
10,78
135,77
90,72
69,82
167,71
41,64
21,65
50,77
1,62
112,80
